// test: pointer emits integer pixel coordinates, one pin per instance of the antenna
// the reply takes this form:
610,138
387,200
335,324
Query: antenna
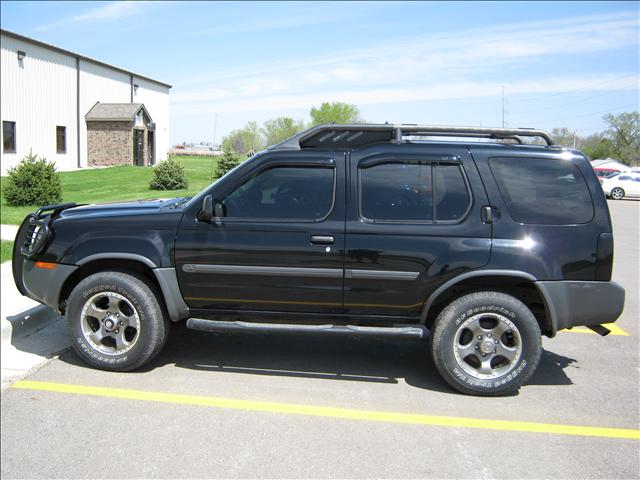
215,127
502,106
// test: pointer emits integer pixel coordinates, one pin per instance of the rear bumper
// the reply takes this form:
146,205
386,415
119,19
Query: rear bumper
572,304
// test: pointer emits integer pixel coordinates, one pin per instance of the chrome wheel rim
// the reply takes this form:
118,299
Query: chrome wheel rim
617,194
487,346
110,323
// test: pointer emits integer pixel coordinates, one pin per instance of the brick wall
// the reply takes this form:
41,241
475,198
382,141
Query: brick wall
109,143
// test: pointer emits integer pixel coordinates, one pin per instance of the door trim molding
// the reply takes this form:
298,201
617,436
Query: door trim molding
380,274
262,270
300,272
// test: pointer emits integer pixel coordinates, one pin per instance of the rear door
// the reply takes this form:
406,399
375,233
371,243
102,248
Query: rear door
280,246
413,222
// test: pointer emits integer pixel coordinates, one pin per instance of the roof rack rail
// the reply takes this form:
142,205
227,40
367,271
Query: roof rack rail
339,136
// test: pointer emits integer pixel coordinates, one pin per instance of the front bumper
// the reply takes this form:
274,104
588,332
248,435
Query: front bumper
44,285
572,303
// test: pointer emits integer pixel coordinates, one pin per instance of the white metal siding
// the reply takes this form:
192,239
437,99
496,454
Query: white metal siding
39,94
155,98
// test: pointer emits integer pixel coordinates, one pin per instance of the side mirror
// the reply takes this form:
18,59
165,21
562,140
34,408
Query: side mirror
206,212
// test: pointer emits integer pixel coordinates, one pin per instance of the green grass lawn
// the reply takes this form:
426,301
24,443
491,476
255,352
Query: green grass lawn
5,250
101,185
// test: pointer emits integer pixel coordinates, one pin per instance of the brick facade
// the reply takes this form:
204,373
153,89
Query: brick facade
109,143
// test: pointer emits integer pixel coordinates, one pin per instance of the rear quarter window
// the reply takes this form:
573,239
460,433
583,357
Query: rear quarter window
543,191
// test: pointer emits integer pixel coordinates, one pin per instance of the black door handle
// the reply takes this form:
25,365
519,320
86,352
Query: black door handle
322,239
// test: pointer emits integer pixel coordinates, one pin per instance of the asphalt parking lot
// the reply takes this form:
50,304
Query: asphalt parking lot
246,405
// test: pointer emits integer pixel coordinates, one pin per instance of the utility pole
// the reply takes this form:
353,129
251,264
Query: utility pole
215,127
502,106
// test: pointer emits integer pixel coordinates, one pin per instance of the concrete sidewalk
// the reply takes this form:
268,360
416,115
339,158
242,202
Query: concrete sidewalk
8,232
31,333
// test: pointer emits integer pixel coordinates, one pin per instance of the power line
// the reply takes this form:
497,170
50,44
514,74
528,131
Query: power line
583,115
580,100
566,92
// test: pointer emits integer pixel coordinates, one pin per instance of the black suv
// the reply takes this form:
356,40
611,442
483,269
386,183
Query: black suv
481,244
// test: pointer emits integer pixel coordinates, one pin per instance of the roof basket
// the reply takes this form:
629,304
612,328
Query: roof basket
351,136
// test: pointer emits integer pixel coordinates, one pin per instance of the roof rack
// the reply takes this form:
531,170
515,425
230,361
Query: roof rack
341,136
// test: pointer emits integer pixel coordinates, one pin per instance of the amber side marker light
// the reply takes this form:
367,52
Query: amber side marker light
46,265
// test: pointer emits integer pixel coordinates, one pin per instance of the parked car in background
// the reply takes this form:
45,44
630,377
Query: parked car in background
622,185
603,173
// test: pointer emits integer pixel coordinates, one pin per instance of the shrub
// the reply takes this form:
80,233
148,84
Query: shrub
34,181
227,162
168,175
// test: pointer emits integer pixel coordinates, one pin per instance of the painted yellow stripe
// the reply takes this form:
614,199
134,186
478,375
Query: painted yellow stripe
332,412
615,330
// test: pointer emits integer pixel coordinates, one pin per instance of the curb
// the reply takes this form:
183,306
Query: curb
8,232
27,322
31,333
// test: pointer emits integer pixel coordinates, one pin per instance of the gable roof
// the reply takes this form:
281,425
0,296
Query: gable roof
115,112
38,43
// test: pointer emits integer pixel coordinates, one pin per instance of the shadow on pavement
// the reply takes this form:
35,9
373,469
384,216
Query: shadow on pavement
38,330
552,370
341,358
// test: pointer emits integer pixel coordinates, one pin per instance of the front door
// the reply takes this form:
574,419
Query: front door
413,222
138,147
279,247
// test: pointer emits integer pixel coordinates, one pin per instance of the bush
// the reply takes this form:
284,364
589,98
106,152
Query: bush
227,162
168,175
34,181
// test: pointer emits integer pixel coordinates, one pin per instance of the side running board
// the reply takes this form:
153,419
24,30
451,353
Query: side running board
239,326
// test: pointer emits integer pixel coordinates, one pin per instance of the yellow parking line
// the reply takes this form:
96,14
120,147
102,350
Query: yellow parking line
332,412
615,330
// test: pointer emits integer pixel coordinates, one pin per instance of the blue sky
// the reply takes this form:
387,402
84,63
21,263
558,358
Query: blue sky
561,63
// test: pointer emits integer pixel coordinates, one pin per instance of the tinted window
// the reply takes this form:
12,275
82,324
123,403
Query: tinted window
543,191
9,137
405,192
624,177
286,193
452,197
396,191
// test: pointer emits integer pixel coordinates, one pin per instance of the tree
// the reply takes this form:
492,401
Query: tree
227,162
244,140
597,146
563,136
278,129
624,132
34,181
336,112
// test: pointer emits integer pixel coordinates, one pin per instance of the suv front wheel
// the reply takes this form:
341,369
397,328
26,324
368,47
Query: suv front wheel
116,322
486,343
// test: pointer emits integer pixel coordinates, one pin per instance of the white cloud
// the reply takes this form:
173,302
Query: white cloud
464,64
107,12
437,91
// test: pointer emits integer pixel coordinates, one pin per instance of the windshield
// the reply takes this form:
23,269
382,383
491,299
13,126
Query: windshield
611,175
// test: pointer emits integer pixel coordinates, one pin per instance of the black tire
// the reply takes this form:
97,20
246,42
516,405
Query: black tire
116,293
457,347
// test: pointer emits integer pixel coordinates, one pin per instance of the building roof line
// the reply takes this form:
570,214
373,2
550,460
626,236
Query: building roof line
38,43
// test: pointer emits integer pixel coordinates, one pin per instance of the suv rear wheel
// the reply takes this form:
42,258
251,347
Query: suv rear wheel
486,343
116,322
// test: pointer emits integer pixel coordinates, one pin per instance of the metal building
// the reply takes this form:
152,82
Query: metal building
47,94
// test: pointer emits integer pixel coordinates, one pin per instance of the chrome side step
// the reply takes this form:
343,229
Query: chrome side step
239,326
